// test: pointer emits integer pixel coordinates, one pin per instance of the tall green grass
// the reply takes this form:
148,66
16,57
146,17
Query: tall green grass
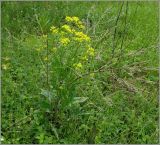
119,104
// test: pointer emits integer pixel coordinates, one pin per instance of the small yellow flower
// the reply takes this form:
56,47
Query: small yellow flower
68,19
54,49
90,51
44,36
82,36
75,19
81,26
46,58
84,58
38,49
78,66
62,33
91,75
64,41
67,28
78,39
71,19
73,31
5,66
79,34
54,30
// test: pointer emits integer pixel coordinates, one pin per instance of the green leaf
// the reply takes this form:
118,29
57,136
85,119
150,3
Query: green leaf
45,105
48,94
83,126
79,100
55,132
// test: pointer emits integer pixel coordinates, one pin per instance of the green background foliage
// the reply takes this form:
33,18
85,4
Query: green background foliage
118,105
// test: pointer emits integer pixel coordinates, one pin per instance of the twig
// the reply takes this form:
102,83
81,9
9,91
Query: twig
101,69
47,65
115,30
130,87
124,30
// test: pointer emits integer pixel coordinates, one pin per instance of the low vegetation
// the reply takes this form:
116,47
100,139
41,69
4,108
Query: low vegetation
79,72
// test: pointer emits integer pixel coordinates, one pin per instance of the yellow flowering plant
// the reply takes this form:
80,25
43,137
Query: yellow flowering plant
66,52
66,47
71,42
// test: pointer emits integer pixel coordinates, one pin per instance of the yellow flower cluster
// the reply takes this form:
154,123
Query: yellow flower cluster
78,66
90,51
84,58
72,19
46,58
5,66
77,36
64,41
76,21
70,32
81,37
67,28
44,36
54,30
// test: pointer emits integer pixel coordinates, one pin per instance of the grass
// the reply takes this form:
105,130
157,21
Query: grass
112,99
